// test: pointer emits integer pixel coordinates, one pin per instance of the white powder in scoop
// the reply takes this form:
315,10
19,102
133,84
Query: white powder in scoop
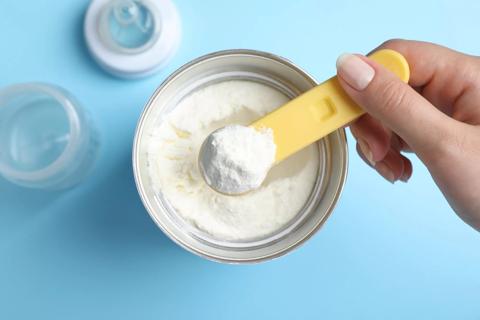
236,158
172,154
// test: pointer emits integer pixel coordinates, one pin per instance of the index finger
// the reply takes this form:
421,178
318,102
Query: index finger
440,74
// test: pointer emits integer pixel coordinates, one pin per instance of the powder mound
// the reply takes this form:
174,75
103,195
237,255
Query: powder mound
173,163
236,158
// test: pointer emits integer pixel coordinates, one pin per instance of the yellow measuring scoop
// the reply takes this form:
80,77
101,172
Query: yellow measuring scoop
321,110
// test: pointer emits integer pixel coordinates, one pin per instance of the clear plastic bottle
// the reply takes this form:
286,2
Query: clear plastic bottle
48,140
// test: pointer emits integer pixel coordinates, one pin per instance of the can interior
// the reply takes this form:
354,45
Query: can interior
250,66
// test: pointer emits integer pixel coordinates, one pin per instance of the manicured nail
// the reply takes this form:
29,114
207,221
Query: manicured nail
405,177
354,71
385,172
367,152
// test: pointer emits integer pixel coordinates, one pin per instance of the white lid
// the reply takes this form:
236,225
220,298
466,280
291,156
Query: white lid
132,38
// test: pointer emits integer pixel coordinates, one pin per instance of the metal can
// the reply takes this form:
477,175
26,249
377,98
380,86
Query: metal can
249,65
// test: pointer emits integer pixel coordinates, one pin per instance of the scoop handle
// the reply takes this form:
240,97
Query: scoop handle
321,110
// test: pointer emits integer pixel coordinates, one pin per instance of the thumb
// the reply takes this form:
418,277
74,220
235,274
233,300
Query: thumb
380,93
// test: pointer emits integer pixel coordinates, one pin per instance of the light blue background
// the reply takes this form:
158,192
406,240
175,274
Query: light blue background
388,251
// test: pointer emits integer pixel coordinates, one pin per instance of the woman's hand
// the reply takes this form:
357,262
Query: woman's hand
437,116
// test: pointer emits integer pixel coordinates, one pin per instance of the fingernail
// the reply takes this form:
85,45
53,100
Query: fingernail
405,177
367,152
354,71
385,172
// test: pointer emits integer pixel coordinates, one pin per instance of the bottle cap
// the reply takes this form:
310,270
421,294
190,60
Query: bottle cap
132,38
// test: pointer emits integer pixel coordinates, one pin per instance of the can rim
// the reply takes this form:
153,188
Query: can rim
142,193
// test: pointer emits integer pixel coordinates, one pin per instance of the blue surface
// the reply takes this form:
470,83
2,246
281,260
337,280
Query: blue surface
387,252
